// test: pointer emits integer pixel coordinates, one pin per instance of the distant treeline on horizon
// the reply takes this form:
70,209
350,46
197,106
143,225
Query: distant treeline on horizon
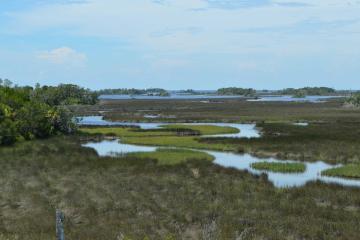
234,91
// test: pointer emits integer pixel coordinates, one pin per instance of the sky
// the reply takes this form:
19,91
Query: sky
181,44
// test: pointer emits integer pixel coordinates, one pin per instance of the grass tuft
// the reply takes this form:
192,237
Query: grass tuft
172,156
347,171
280,167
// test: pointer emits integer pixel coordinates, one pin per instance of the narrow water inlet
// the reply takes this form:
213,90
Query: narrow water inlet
225,159
238,161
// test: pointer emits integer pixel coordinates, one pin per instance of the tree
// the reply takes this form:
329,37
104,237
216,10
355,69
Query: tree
35,120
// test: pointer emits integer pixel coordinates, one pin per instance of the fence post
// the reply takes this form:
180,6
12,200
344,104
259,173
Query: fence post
60,225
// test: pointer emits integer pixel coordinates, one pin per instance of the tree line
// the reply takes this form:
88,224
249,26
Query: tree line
28,113
134,91
236,91
308,91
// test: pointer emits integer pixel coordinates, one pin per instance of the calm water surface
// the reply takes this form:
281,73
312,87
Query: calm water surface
238,161
245,130
225,159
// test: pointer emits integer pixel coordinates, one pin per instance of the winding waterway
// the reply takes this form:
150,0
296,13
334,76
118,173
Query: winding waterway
225,159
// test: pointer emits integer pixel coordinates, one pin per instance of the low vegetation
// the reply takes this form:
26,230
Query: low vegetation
347,171
280,167
172,156
165,130
204,129
332,142
132,198
222,110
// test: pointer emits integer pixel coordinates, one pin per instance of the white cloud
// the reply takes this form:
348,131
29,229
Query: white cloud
63,56
140,23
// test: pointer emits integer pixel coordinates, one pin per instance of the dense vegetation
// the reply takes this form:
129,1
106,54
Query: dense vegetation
236,91
28,113
132,91
308,91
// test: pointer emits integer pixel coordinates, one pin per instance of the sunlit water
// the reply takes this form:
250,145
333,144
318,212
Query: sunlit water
245,130
228,159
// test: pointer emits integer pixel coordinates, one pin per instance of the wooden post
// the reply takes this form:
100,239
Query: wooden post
60,235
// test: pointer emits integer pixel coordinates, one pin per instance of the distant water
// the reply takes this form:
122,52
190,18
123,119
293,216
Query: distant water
172,96
313,99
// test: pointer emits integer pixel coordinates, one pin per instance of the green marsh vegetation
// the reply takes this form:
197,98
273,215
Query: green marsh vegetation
280,167
347,171
221,110
165,156
331,142
165,130
109,198
204,129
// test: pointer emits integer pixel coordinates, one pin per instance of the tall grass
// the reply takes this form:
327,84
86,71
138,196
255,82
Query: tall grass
129,197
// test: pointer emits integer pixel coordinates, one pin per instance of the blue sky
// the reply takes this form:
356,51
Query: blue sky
180,44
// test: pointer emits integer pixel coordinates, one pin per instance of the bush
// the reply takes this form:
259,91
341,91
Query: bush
8,132
35,120
354,100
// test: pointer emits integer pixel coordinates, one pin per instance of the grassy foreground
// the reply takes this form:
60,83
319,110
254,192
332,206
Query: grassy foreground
172,156
132,198
280,167
347,171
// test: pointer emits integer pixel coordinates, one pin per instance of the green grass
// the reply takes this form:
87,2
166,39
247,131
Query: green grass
125,132
205,129
172,156
174,141
347,171
166,130
280,167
